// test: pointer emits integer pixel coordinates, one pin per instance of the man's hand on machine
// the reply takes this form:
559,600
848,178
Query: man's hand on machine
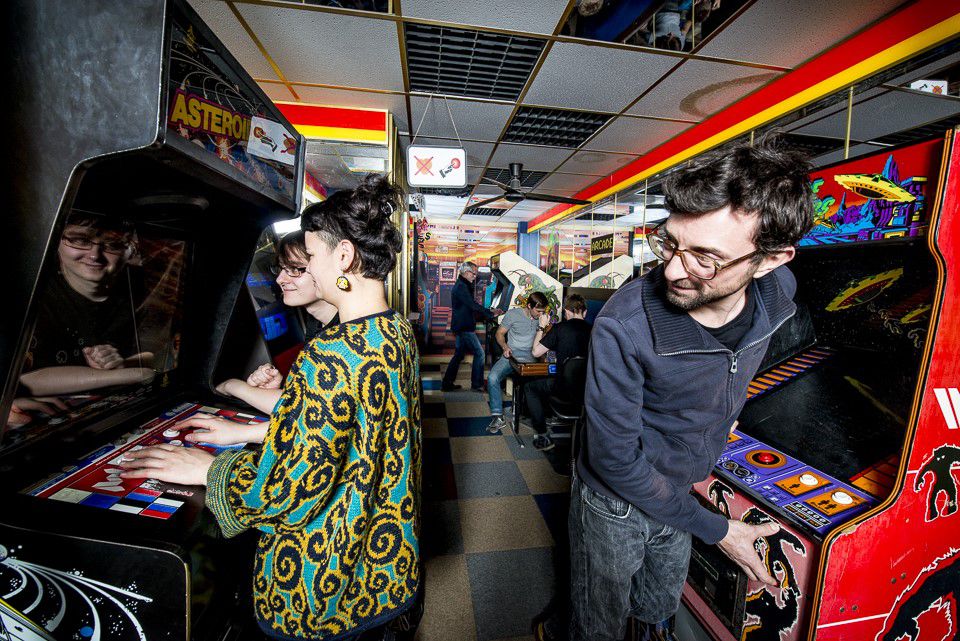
218,431
265,377
102,357
170,463
738,544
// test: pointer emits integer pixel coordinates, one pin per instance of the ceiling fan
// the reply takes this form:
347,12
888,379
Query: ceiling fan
513,194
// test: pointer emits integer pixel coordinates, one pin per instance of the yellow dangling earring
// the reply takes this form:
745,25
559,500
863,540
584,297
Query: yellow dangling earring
343,284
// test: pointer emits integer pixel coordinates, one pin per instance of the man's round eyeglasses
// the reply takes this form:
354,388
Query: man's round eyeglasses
292,272
696,264
106,246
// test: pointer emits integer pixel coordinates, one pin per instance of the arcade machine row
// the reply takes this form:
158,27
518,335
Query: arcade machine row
136,212
514,279
849,437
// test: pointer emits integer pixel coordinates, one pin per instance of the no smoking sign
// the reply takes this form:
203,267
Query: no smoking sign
436,166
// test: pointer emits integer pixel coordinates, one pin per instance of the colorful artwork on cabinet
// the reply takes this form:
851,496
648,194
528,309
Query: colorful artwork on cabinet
937,479
876,197
929,604
42,604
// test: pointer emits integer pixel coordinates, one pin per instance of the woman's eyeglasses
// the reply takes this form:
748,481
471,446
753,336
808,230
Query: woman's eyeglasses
115,246
696,264
292,272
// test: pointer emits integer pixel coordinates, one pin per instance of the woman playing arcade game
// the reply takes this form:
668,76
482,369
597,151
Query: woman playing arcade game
262,387
335,489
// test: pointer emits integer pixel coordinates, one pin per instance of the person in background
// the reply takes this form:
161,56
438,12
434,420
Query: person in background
662,350
262,388
335,489
515,337
464,327
569,338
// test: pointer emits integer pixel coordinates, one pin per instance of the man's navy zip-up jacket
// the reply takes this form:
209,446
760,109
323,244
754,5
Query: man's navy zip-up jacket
465,308
662,394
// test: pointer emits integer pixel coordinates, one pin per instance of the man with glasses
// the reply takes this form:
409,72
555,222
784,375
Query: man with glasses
670,359
463,324
86,336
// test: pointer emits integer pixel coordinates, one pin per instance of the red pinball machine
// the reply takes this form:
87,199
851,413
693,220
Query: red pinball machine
850,437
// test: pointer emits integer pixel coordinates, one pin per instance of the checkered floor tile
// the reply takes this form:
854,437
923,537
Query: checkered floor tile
494,514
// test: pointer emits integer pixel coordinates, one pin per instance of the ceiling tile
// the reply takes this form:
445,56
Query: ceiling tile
595,163
276,92
394,103
311,46
837,156
530,17
698,89
594,77
477,120
533,158
888,113
565,184
216,14
786,32
635,135
477,152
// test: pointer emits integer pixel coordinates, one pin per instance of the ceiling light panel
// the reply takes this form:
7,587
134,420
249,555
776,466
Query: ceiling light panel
553,127
528,179
464,62
484,211
598,218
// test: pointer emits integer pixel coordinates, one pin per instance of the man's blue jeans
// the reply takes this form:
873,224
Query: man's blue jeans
622,563
500,370
466,342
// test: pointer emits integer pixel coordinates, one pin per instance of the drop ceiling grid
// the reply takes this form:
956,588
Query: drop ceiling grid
473,119
224,24
812,27
538,17
534,158
286,33
894,111
634,135
603,79
697,90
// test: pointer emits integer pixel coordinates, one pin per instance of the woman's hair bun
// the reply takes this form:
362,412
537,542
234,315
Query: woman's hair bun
364,216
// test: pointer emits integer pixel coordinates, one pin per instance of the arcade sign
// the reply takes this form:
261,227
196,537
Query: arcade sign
436,166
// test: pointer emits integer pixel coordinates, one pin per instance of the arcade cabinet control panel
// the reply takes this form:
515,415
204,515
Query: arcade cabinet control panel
94,480
809,496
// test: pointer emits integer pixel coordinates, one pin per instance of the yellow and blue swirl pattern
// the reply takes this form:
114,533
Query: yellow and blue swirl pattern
335,490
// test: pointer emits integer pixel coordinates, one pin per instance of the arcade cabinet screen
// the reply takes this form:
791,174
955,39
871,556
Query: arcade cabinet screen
107,323
213,108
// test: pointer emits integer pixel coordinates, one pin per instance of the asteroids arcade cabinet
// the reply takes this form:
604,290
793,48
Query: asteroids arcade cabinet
141,166
849,438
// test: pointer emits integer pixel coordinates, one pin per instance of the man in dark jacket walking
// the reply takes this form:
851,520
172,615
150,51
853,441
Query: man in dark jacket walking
670,359
464,326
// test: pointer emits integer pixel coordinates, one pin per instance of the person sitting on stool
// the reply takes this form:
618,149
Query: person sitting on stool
568,339
464,327
515,337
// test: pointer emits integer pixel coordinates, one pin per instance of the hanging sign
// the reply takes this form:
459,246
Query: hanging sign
436,166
